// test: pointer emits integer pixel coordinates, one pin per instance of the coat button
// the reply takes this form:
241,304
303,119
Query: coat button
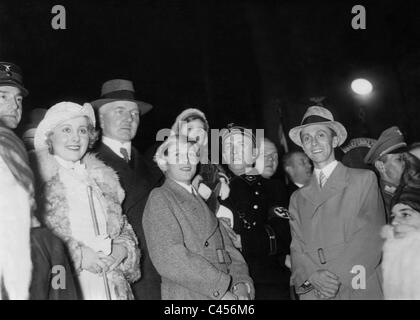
257,193
206,244
216,294
256,207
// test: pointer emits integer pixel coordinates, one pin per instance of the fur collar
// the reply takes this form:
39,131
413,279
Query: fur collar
46,167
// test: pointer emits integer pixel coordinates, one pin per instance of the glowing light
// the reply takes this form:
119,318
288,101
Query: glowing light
361,86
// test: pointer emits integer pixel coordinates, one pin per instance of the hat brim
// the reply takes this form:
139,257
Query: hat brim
12,83
336,126
144,107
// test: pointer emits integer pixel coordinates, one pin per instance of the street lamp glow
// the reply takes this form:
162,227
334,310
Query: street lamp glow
361,86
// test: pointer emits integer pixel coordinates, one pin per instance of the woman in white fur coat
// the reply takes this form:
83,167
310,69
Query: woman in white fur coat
401,251
80,201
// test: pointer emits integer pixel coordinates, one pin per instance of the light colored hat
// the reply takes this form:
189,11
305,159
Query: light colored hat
57,114
318,115
184,115
120,90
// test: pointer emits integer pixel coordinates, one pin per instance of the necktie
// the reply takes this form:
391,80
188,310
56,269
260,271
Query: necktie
124,152
322,179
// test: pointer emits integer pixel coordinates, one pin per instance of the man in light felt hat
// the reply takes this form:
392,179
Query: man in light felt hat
335,219
387,157
119,116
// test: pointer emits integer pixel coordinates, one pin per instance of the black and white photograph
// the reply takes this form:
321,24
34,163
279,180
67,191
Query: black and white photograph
209,150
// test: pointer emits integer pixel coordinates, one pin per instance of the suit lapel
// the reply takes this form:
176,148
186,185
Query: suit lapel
134,178
194,206
334,185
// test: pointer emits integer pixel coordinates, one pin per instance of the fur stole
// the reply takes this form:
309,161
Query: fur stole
401,265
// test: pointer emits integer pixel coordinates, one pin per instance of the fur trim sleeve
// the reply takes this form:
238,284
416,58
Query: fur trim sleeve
131,265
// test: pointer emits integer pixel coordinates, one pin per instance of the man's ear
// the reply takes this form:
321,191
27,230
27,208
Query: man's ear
335,142
289,170
101,120
379,165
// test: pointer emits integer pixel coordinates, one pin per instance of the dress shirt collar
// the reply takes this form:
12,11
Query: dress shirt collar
327,170
187,187
299,185
116,145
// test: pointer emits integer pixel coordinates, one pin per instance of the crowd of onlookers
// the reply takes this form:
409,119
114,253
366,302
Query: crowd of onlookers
84,215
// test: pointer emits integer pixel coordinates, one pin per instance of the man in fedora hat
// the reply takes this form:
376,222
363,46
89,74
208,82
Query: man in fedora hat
335,219
119,116
386,156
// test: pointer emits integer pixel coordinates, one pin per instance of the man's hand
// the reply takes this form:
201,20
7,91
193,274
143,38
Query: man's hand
325,282
241,291
229,296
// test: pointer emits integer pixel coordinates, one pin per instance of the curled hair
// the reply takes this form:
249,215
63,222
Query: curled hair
92,132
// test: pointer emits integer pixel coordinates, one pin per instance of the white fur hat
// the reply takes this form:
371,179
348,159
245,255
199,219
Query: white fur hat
57,114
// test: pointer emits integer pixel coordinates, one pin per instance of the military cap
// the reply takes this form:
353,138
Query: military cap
390,141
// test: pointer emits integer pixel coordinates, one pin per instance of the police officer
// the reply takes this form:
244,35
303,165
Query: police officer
260,217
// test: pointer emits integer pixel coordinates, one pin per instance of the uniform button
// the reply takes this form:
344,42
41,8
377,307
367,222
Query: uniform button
216,293
206,244
256,207
257,193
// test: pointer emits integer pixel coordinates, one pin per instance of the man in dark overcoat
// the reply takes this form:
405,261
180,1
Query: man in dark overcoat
119,116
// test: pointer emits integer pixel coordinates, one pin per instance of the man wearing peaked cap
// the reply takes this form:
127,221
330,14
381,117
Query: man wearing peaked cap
27,251
12,92
119,117
386,156
335,219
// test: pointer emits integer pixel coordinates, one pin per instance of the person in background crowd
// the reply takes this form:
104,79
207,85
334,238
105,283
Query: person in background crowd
401,258
268,159
29,129
81,203
260,216
414,149
190,249
386,156
119,117
335,220
211,180
355,152
45,249
298,168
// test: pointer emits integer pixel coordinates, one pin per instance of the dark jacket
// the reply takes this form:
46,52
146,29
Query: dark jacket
259,208
52,274
137,178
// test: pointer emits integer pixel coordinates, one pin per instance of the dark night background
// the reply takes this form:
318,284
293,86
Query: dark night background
236,60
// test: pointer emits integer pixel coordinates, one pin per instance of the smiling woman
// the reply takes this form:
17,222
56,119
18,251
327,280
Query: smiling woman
79,199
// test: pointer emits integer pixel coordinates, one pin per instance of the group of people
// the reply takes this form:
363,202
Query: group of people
84,215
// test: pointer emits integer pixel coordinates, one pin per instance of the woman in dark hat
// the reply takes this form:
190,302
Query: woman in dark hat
401,258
